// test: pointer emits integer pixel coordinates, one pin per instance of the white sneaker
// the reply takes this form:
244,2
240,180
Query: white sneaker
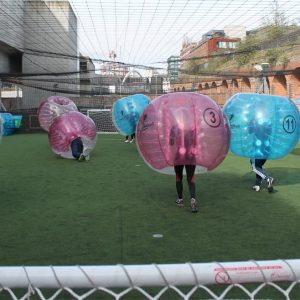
132,141
179,202
256,188
126,141
81,157
194,207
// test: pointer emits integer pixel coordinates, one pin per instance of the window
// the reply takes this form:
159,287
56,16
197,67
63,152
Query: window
232,45
222,45
226,45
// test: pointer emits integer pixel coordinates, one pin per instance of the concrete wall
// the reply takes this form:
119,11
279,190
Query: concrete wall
11,35
49,26
11,23
4,62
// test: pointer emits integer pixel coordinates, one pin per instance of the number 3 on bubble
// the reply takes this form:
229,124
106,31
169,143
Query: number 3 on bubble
211,117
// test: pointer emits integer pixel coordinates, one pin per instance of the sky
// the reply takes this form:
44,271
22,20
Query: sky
147,32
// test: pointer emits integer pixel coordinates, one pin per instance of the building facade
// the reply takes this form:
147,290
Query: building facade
11,36
213,42
185,52
50,40
87,73
39,37
113,69
221,89
173,67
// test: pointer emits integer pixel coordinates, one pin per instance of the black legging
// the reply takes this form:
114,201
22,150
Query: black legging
132,136
190,170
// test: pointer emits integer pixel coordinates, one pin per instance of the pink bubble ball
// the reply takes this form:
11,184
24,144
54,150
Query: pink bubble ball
68,127
53,107
183,129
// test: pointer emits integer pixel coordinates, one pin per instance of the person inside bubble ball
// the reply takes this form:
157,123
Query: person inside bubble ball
262,131
184,153
77,150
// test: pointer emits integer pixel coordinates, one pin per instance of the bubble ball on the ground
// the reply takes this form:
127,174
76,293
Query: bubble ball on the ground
68,127
53,107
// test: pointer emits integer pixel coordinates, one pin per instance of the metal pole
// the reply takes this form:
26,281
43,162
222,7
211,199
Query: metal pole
155,275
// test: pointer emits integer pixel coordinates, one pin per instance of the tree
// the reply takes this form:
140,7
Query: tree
246,50
273,55
192,66
276,23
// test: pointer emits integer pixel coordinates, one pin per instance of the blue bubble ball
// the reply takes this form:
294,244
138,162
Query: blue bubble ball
127,111
8,123
262,126
1,127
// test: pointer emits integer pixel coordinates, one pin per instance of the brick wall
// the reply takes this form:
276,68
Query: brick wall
282,85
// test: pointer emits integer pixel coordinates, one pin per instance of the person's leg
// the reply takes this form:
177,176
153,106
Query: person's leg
258,178
126,139
190,174
268,178
179,186
132,138
261,174
76,147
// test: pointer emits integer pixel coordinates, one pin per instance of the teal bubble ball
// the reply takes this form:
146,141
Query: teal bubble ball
262,126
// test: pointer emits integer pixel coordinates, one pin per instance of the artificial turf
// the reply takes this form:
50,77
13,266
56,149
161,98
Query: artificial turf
56,211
